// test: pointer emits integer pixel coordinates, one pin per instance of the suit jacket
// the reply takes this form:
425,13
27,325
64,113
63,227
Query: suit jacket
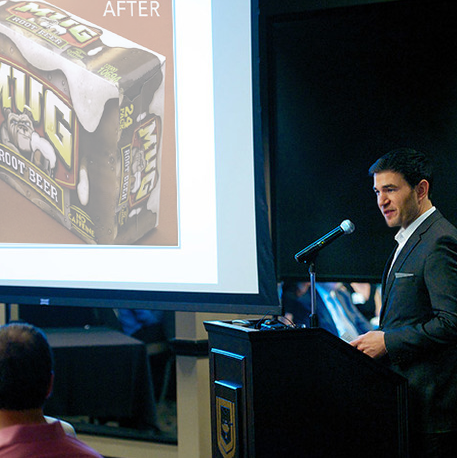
419,318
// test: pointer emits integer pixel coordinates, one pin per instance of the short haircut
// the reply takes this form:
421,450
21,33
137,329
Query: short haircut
414,165
26,367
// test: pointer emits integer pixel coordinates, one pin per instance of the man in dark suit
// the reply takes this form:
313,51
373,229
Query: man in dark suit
417,335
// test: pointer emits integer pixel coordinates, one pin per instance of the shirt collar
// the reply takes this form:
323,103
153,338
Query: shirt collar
404,234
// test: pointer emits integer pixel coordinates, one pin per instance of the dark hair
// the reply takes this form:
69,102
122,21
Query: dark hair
25,367
413,165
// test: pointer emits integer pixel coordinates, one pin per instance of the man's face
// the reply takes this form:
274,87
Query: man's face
396,199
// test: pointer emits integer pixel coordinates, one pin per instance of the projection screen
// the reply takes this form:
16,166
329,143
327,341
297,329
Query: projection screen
130,168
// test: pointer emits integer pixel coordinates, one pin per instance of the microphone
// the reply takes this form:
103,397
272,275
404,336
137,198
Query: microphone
346,227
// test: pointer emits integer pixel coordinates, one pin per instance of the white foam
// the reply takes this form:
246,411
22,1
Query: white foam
89,92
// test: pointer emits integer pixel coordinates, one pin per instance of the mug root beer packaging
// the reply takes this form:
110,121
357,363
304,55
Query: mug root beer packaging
81,113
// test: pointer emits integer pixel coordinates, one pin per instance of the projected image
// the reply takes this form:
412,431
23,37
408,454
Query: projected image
83,113
118,174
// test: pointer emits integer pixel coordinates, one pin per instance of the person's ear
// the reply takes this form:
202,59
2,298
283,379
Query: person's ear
51,384
422,189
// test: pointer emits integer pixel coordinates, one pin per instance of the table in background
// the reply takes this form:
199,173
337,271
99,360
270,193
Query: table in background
100,373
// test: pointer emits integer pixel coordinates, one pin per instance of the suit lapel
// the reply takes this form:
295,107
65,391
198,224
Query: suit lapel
388,278
386,282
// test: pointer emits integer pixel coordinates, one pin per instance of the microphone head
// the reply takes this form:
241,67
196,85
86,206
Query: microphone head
347,226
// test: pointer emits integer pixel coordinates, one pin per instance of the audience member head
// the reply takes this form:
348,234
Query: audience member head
26,367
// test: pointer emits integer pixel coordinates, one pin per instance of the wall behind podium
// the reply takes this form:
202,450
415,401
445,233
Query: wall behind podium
345,82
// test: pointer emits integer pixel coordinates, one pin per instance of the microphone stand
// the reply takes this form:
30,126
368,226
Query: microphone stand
312,276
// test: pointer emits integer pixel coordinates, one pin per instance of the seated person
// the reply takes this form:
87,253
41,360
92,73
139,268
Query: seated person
26,377
334,309
367,298
150,326
144,325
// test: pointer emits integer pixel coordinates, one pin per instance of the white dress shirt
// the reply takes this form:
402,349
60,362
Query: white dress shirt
403,235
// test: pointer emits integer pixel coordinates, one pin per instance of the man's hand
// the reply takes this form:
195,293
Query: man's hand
372,344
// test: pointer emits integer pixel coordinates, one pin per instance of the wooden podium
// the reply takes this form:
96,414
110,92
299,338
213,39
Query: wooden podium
301,393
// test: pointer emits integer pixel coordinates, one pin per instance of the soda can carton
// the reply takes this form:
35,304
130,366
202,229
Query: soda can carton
81,113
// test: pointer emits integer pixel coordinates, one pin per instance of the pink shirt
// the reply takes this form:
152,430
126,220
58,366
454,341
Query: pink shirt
42,441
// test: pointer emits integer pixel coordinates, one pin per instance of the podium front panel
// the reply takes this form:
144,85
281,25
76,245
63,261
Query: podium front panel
304,393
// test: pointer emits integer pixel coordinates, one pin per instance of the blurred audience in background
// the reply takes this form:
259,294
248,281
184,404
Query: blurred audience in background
335,308
367,298
144,325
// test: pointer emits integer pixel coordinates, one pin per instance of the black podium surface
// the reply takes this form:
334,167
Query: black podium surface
301,393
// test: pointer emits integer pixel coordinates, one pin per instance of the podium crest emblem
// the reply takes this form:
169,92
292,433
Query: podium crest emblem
226,427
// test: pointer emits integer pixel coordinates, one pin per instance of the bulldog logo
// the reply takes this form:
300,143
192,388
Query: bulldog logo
18,133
